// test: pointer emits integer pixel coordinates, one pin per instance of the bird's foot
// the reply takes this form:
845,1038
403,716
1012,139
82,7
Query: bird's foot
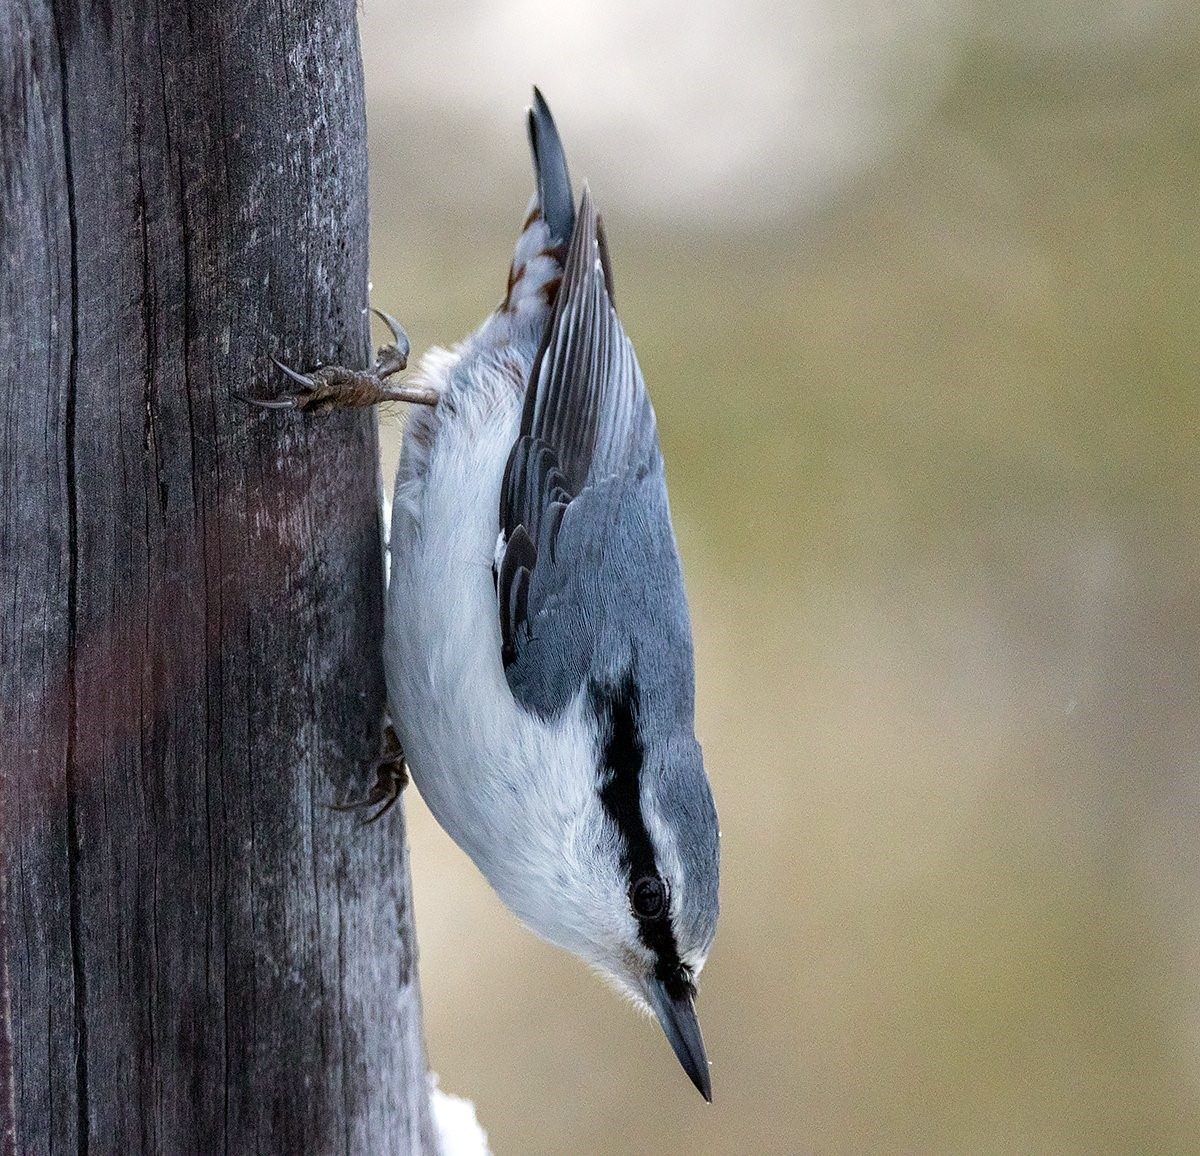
336,387
391,777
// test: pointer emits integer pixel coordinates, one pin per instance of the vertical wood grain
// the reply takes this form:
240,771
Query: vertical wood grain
201,956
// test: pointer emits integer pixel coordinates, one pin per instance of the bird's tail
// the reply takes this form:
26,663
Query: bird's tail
541,249
555,199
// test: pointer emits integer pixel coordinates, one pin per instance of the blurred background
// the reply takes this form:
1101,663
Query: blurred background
915,289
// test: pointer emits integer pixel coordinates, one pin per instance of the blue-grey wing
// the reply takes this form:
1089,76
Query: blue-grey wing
607,598
588,571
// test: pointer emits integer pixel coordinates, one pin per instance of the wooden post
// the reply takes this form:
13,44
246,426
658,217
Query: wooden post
198,955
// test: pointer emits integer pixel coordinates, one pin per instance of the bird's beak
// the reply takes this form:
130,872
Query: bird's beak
678,1019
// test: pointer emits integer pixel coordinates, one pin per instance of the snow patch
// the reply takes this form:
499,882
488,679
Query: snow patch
459,1133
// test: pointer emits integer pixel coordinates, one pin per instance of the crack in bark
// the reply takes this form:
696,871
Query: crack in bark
70,770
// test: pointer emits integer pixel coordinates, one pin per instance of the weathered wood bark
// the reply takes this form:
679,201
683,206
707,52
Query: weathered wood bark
201,956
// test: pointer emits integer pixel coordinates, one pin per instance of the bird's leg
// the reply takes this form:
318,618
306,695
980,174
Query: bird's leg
335,387
391,777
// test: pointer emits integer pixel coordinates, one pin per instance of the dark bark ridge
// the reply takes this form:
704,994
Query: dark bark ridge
195,953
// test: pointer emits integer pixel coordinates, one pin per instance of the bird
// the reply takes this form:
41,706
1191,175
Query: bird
537,643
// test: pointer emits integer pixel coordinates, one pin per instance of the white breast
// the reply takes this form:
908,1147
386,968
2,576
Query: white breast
514,792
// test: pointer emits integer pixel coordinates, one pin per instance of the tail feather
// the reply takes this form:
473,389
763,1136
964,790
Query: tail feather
537,264
555,198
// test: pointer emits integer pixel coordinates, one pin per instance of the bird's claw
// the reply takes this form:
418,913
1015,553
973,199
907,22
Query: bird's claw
391,358
391,777
390,782
299,378
335,387
303,398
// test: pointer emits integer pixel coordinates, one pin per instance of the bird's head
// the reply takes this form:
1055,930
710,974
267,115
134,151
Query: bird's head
633,886
666,892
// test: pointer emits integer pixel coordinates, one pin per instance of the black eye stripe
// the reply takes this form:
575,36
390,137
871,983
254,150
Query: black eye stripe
621,790
623,755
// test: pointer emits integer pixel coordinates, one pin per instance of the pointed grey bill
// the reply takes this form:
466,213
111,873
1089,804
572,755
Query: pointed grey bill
682,1028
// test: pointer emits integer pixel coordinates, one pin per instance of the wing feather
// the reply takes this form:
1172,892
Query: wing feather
586,449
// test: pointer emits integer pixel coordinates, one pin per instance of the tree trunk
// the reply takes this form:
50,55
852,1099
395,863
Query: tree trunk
197,955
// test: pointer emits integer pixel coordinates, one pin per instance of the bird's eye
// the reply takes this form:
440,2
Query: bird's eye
649,897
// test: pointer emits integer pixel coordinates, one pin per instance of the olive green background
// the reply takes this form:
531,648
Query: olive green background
930,424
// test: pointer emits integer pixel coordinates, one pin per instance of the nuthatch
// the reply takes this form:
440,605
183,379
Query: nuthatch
538,647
